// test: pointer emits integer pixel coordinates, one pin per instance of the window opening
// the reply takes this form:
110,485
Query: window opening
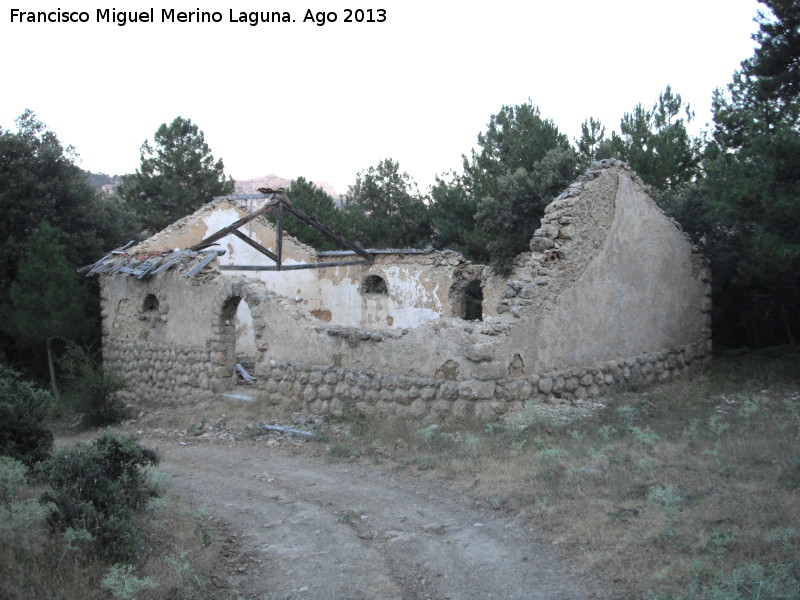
150,303
473,301
373,284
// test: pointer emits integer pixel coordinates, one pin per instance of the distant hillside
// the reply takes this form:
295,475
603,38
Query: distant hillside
250,186
102,182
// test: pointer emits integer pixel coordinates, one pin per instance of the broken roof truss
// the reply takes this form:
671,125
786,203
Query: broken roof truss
144,265
279,202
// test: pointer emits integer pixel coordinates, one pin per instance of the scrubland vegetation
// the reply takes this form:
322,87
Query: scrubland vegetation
92,519
688,490
685,491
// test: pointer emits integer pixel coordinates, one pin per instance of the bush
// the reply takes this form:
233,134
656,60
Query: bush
100,487
21,520
91,389
23,410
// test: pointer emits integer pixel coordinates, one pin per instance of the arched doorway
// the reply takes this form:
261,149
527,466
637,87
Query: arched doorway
237,337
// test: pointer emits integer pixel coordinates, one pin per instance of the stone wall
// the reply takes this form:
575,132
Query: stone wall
323,389
162,374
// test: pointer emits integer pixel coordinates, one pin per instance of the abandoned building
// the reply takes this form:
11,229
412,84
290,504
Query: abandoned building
224,303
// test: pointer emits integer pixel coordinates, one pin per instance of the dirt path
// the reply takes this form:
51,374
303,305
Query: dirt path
318,530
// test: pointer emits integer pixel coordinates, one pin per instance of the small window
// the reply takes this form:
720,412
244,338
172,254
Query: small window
473,301
150,303
373,284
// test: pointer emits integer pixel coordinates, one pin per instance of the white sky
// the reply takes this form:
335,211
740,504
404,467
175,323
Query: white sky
326,102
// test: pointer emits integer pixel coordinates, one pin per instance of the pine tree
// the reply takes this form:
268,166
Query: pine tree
655,142
40,181
751,191
316,202
384,209
47,298
178,174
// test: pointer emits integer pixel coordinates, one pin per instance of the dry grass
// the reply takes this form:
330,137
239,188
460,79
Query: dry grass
657,493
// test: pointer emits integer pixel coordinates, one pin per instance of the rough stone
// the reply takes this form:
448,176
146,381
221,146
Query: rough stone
481,352
474,389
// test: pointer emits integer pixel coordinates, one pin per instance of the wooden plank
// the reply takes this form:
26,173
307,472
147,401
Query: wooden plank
175,258
336,237
251,242
91,268
112,266
427,250
202,264
279,232
151,267
322,265
243,372
282,429
235,225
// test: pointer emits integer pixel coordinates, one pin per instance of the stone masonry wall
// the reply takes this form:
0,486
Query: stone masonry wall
161,373
323,389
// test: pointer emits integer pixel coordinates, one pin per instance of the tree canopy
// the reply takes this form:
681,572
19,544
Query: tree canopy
655,141
753,177
384,209
48,300
516,137
178,174
490,211
40,181
316,202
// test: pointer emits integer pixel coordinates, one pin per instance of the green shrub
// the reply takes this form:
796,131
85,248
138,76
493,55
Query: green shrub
13,475
100,487
92,389
23,410
124,584
21,520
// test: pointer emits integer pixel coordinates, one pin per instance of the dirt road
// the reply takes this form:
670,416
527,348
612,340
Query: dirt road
318,530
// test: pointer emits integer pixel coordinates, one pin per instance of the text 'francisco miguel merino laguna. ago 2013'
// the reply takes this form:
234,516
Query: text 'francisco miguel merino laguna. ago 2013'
170,15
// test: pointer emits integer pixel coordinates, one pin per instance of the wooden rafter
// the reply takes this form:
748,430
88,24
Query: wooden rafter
280,202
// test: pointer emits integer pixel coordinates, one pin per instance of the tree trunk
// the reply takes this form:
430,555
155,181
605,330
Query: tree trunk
51,364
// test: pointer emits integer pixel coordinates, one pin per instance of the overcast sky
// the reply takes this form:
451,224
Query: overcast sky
328,101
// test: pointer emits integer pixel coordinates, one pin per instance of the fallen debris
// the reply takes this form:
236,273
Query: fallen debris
282,429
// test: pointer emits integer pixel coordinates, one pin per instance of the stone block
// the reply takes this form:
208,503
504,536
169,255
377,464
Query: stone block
474,389
481,352
484,411
448,390
490,370
417,409
540,244
371,397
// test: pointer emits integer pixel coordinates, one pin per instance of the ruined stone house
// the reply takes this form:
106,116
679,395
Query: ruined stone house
612,292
